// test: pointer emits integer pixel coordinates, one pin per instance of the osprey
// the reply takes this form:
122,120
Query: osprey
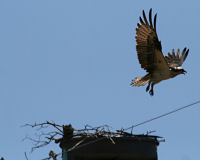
150,56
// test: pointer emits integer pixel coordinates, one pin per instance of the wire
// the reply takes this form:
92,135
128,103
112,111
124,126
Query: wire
163,115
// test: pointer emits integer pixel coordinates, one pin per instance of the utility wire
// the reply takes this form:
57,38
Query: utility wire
163,115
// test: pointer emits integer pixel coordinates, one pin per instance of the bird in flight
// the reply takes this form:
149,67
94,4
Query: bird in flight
151,58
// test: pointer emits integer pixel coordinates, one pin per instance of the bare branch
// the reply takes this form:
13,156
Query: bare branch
42,139
45,125
25,156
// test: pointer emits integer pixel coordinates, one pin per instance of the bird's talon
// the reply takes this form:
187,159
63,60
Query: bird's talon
147,88
151,92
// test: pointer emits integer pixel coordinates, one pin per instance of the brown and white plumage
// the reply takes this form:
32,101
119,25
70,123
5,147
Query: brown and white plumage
150,56
176,60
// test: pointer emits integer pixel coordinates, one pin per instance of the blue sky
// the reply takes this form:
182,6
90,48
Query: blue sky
73,61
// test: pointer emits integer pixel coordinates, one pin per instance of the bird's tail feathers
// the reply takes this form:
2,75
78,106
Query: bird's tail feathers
140,81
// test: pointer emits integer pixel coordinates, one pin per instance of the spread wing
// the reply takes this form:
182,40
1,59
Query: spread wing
148,46
176,60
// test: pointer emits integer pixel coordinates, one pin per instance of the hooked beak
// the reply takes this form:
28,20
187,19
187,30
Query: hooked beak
184,72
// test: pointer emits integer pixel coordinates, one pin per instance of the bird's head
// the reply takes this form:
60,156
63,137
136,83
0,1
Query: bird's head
183,71
178,70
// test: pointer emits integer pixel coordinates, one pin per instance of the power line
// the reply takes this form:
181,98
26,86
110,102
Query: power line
163,115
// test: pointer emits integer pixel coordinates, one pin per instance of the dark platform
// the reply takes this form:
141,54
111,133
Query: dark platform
140,147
